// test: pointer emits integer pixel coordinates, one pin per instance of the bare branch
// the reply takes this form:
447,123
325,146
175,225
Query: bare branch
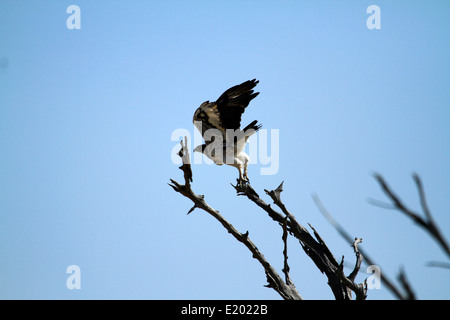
381,204
286,291
186,166
406,286
369,261
359,259
438,264
286,265
426,223
344,234
423,200
360,290
317,250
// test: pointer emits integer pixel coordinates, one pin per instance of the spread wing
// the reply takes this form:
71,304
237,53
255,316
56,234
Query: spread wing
226,112
232,103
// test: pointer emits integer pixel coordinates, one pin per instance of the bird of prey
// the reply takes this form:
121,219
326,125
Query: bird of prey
219,123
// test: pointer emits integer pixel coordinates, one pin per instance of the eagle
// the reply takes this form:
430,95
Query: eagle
219,123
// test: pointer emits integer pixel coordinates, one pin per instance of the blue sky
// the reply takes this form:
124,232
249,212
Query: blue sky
86,119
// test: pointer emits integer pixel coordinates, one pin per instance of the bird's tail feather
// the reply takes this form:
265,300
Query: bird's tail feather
253,126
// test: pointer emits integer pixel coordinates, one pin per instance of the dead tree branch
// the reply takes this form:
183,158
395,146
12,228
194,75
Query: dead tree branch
369,261
410,295
360,290
427,222
286,268
438,264
315,248
286,290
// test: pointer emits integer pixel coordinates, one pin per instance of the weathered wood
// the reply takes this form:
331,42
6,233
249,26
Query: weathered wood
286,290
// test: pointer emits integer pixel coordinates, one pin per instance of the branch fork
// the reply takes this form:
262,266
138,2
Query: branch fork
286,290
